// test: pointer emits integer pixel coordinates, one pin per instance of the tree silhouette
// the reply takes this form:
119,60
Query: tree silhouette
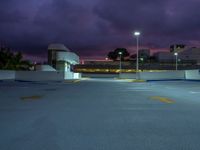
124,52
113,55
12,61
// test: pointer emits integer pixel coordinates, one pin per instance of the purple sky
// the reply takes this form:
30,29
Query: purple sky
91,28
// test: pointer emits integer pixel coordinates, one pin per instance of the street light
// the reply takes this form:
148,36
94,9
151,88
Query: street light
137,34
176,54
120,62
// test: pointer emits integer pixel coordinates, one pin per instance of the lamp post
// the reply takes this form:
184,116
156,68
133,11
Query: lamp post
176,54
137,34
120,62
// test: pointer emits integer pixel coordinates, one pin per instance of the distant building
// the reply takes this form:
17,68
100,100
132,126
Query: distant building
62,59
190,54
164,57
185,55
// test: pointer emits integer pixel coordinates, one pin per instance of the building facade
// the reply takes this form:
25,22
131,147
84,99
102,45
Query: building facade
184,55
63,60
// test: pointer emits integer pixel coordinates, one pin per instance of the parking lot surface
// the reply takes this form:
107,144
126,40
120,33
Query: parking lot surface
99,114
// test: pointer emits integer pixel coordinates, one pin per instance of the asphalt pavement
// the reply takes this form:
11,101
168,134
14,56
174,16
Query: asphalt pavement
100,114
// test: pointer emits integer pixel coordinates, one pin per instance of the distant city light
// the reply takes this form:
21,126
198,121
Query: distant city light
176,54
120,62
142,59
136,33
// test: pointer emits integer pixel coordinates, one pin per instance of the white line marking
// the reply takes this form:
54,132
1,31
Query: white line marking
194,92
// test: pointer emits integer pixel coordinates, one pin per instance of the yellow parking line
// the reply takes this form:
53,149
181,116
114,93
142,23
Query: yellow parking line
72,81
138,81
163,99
130,80
76,81
34,97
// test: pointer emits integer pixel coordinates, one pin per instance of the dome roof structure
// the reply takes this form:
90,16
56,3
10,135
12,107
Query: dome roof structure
58,47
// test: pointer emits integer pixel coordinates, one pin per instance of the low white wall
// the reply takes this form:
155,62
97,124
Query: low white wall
69,75
7,75
94,75
77,75
39,76
128,75
192,74
72,75
59,76
166,75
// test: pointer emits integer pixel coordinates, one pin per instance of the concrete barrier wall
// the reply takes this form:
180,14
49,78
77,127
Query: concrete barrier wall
7,75
69,75
39,76
128,76
92,75
167,75
77,75
59,76
192,74
72,75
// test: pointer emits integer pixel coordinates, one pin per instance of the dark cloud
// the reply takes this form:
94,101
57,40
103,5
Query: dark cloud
127,14
10,13
92,27
11,17
160,21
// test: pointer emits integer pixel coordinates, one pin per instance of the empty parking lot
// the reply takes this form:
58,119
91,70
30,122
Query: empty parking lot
99,114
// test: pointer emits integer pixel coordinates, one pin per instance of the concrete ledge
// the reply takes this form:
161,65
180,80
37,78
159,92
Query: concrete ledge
165,80
39,76
166,75
130,80
192,80
7,75
99,75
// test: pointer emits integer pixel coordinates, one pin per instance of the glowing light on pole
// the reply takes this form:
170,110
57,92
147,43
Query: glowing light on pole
176,54
120,62
137,34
